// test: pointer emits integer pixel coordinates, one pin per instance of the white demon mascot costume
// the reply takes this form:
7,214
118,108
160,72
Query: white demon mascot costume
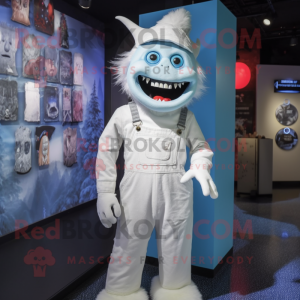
161,77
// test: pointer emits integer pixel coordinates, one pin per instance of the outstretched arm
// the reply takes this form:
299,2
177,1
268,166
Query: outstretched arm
201,159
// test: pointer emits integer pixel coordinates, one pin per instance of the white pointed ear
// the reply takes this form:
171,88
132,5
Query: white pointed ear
132,27
196,48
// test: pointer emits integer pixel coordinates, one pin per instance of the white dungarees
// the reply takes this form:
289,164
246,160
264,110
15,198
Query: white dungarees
151,193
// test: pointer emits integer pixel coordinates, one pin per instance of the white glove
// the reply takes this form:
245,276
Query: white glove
105,203
200,170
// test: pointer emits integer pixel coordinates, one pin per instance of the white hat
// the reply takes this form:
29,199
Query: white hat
174,27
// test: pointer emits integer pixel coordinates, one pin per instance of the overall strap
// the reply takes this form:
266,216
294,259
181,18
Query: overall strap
137,122
135,114
182,120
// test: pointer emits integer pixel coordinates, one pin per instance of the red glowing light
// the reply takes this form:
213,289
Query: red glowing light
243,75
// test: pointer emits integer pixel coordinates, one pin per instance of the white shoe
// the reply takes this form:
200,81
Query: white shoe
141,294
189,292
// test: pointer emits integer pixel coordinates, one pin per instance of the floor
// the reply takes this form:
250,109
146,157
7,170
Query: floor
271,259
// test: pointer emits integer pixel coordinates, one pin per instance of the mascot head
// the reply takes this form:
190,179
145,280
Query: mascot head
161,71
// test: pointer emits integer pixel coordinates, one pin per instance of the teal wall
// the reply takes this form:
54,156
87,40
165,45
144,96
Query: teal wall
215,113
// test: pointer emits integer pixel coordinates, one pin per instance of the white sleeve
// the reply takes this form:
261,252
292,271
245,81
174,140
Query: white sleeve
109,145
199,148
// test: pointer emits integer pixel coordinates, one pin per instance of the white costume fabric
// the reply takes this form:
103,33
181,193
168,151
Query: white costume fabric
152,196
155,191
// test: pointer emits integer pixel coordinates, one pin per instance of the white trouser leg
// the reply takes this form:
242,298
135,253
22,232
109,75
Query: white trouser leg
133,232
175,228
175,245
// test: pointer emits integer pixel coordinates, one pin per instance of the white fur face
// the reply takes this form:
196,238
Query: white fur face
161,76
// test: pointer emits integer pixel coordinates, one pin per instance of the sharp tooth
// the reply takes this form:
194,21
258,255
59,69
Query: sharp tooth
143,78
182,83
152,83
147,80
175,85
166,86
156,84
179,84
170,86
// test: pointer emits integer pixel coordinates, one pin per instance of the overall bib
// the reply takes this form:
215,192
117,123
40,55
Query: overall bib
152,197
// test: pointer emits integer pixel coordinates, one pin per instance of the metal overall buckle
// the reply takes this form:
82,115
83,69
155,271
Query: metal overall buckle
180,129
137,125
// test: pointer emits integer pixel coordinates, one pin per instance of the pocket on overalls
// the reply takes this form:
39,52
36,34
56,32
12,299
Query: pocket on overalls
157,147
162,151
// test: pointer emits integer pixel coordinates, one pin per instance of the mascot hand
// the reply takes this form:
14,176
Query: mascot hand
105,203
200,170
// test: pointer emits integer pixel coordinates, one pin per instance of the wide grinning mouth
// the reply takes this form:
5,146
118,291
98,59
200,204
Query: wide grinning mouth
5,55
162,90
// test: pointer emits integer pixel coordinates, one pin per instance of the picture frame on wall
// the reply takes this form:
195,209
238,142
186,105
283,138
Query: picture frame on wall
20,11
22,150
66,67
77,105
67,106
70,153
52,64
286,113
8,48
8,100
44,16
78,69
33,61
32,102
51,104
286,138
43,136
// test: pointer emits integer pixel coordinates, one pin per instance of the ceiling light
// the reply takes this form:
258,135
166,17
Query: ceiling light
269,18
86,4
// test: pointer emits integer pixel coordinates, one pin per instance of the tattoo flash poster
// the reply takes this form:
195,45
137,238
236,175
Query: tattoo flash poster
59,174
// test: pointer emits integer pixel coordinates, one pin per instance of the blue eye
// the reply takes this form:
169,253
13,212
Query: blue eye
153,58
177,61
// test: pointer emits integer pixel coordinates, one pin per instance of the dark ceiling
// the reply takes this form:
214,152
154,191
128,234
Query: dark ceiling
276,38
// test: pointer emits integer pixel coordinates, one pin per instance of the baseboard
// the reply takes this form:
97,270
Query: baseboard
74,284
286,184
210,273
11,236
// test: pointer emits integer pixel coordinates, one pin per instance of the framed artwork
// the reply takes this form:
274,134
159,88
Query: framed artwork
51,104
77,106
286,113
67,108
52,64
32,102
8,100
70,153
33,61
64,34
78,69
44,16
43,136
286,138
66,67
8,48
20,11
23,150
